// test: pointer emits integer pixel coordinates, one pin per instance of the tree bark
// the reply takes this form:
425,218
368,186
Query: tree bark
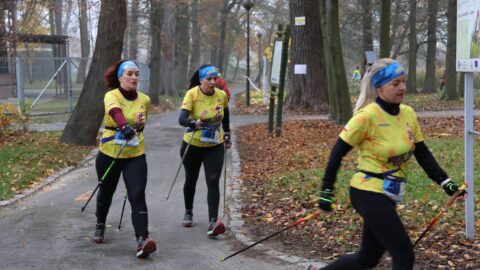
385,28
68,15
195,55
429,83
412,49
133,30
450,91
82,126
307,91
182,44
156,21
84,40
367,30
168,79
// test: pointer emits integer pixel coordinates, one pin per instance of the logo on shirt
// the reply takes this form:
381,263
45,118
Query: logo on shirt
345,128
384,125
410,134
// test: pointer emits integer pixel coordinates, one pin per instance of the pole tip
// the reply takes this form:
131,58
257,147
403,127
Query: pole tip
222,259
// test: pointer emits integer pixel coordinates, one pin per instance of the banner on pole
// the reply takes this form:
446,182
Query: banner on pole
468,36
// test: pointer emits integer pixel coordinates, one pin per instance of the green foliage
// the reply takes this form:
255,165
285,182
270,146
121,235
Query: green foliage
10,117
29,158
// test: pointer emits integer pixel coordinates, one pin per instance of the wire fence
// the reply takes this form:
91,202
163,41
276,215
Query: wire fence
52,85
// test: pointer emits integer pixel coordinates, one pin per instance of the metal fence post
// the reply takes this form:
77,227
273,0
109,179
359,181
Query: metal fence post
69,85
20,90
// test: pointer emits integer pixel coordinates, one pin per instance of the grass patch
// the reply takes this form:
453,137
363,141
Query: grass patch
424,196
27,159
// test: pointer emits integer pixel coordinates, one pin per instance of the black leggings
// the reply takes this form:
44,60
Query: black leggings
135,177
382,230
212,159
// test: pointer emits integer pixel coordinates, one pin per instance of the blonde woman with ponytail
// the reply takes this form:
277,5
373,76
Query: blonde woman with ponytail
386,134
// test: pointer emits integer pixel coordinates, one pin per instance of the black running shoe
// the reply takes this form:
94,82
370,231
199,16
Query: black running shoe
145,246
99,234
188,219
215,228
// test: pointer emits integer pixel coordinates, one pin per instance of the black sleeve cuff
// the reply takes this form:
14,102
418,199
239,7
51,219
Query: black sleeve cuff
226,120
184,119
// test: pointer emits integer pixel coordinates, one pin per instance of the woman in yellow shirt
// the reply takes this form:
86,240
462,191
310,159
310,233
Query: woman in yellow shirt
205,113
126,112
386,134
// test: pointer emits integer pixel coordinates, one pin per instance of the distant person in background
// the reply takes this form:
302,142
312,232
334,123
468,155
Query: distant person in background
222,84
356,75
442,79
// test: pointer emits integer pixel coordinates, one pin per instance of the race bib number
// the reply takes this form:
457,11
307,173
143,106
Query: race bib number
394,187
120,140
210,135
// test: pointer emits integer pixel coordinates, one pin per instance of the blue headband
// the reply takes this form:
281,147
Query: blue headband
386,74
123,66
207,72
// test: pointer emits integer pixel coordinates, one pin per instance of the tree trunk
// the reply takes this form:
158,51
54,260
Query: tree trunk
385,28
342,94
195,56
168,79
182,45
412,49
223,33
367,30
156,21
461,85
82,126
133,30
307,91
84,40
68,15
450,92
429,83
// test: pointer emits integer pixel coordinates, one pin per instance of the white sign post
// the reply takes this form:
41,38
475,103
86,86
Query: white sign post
468,61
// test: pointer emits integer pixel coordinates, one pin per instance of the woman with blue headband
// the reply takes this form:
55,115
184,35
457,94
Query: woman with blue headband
387,134
205,114
126,112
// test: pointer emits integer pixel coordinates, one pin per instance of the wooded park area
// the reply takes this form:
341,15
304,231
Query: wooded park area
176,36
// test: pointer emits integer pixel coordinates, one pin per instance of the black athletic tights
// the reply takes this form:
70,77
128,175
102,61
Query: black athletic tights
135,177
382,230
212,159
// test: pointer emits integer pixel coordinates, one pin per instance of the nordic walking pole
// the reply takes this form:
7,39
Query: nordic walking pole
180,166
224,179
444,208
299,221
105,175
123,209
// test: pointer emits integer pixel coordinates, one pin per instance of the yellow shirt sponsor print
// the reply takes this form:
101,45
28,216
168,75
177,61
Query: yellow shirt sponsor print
384,142
205,107
135,112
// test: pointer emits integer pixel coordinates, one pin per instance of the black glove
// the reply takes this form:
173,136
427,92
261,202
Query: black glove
226,139
450,188
326,199
128,132
192,124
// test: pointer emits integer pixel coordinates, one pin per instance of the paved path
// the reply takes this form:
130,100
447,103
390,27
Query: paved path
48,230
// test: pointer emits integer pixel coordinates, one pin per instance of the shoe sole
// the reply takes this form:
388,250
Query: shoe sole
187,224
149,248
98,240
219,229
